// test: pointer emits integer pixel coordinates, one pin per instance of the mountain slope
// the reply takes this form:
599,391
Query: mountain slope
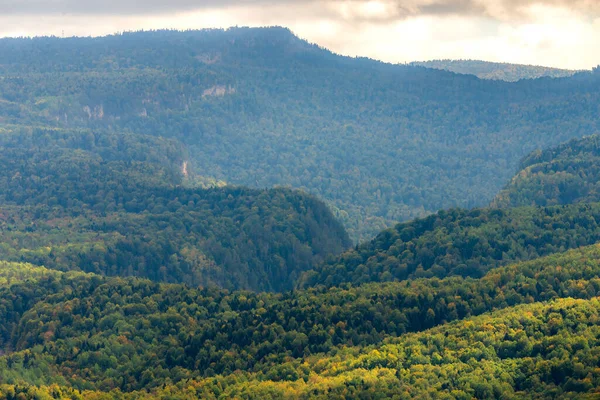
460,242
512,353
537,351
131,333
566,174
260,107
114,204
496,71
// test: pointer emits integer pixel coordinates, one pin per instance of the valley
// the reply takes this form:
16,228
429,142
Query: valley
242,214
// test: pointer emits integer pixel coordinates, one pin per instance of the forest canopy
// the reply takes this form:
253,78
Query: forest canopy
461,242
118,204
379,143
131,334
566,174
160,238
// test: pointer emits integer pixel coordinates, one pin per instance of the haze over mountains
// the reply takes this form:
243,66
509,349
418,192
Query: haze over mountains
496,71
149,251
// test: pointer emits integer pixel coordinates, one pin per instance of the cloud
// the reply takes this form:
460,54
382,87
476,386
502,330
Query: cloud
456,7
393,9
502,10
124,7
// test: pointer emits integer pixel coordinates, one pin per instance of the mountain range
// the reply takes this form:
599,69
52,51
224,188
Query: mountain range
162,233
380,143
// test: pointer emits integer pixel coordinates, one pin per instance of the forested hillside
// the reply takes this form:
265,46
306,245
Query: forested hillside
97,333
116,204
137,263
496,71
259,107
461,242
566,174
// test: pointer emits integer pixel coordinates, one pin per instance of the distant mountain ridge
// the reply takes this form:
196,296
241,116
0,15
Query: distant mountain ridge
496,71
380,143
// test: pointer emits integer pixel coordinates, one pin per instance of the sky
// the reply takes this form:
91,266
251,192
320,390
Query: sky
556,33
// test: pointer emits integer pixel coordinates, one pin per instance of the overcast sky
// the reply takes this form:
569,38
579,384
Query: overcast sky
560,33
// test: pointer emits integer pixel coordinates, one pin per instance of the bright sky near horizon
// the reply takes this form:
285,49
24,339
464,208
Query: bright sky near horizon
557,33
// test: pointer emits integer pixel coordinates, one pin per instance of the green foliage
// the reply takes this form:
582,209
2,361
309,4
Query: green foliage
131,334
496,71
567,174
259,107
114,204
516,353
533,351
12,273
113,157
461,242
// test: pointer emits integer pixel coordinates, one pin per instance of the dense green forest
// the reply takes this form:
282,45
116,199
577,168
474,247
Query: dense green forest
159,237
379,143
96,333
496,71
118,204
461,242
566,174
